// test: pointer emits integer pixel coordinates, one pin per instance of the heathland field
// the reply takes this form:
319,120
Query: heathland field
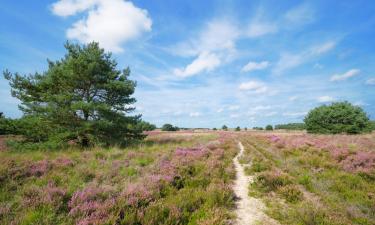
187,178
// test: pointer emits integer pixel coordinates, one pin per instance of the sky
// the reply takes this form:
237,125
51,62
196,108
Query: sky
207,63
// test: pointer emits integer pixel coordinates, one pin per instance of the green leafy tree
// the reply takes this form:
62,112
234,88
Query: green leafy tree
339,117
224,127
169,127
257,128
82,97
238,129
269,127
146,126
214,128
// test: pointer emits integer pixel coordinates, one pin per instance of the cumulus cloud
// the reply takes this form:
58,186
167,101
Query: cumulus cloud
214,46
253,86
109,22
370,81
326,98
205,62
251,66
346,75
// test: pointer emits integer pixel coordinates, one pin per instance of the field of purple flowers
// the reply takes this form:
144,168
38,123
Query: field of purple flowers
313,179
172,178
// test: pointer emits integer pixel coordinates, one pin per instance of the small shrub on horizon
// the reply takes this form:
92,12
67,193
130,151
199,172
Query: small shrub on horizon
269,127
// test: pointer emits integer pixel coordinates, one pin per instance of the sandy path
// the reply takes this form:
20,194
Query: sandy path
249,210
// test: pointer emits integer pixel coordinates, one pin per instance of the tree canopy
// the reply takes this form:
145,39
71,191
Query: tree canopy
339,117
83,98
169,127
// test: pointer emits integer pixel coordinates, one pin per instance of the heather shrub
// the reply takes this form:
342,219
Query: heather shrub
260,166
339,117
291,193
272,180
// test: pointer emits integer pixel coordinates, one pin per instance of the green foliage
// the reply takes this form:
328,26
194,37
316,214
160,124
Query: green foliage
291,193
339,117
224,127
290,126
269,127
214,128
257,128
82,98
238,129
146,126
169,127
7,126
372,125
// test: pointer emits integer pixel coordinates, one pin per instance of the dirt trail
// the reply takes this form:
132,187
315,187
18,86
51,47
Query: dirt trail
249,210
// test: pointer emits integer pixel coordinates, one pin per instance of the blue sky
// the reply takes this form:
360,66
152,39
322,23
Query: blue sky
207,63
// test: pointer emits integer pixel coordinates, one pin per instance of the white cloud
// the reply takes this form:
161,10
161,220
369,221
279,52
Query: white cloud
325,98
220,110
294,114
293,98
323,48
214,46
270,114
109,22
346,75
301,14
251,66
194,114
261,107
370,81
205,62
289,60
253,86
234,115
258,28
233,107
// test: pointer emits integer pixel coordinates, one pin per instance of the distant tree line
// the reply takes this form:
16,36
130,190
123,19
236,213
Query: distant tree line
290,126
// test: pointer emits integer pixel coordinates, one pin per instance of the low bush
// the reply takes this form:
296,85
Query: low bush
291,193
339,117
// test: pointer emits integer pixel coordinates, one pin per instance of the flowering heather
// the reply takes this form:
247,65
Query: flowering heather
138,194
53,195
62,162
92,205
360,162
191,152
39,168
